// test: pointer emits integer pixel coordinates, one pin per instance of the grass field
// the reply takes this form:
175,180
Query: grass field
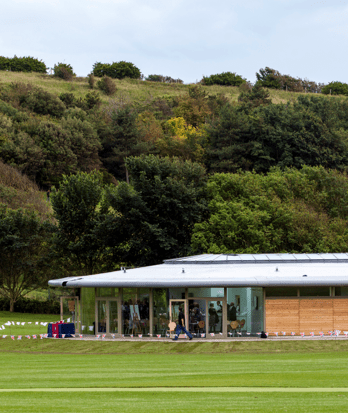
26,329
86,376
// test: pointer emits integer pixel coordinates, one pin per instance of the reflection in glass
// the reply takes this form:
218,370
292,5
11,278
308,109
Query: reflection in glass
197,318
244,311
113,317
215,317
87,310
160,311
101,316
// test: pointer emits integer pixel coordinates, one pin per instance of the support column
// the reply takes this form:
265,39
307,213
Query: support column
151,312
119,312
95,312
224,314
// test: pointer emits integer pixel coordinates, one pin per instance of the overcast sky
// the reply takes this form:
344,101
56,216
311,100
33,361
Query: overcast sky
183,39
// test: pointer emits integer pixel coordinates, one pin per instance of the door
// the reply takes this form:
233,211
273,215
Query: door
69,311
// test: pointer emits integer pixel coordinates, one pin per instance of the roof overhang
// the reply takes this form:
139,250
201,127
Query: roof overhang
205,271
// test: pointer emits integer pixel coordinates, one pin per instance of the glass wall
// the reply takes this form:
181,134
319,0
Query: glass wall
244,311
87,305
135,311
160,311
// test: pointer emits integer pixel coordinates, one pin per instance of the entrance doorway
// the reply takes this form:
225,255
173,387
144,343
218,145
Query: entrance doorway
106,316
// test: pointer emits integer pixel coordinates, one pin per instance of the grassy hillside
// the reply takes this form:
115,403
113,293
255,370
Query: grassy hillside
135,90
18,191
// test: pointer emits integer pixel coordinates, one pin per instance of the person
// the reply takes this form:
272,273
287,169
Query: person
232,313
180,327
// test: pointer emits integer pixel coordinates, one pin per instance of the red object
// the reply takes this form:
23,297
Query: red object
55,329
61,322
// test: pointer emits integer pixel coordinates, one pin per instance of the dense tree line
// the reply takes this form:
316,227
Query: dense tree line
134,183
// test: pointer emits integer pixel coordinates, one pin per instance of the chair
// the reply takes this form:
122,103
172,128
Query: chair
234,325
171,329
201,325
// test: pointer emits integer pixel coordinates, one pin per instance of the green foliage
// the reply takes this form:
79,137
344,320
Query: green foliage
163,79
116,70
64,71
92,100
255,97
274,135
22,64
290,211
156,213
107,85
36,99
335,88
272,79
26,305
91,81
24,242
78,208
224,79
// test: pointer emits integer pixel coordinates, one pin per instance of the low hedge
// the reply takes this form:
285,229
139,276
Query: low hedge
26,305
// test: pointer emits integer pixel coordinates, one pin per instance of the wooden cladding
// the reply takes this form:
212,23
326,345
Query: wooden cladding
305,315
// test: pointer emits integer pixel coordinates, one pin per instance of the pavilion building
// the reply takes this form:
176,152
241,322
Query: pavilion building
222,295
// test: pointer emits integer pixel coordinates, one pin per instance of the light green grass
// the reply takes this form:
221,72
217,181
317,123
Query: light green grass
174,402
27,329
135,90
215,377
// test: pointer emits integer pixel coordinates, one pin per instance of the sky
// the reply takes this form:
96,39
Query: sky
183,39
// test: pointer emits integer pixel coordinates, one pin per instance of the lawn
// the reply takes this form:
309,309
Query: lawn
26,329
89,376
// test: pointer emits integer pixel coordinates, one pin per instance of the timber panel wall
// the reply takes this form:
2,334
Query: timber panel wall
282,315
305,315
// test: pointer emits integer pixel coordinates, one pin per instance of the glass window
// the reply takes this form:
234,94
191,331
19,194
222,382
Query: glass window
314,291
107,292
281,292
206,292
135,311
244,311
341,291
160,311
87,310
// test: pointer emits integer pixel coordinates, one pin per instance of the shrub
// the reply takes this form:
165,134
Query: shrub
92,100
336,88
107,85
91,81
64,71
68,99
224,79
22,64
116,70
26,305
163,79
36,99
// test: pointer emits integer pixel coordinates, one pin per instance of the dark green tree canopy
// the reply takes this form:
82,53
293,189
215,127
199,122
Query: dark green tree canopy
156,213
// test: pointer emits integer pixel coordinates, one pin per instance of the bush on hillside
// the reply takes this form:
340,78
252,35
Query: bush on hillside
116,70
272,79
63,71
224,79
107,85
335,88
91,81
163,79
22,64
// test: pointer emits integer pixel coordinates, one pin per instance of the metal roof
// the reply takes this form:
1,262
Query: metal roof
256,270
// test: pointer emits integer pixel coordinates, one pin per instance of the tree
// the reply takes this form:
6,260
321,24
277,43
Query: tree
335,88
290,211
256,97
80,209
24,248
155,214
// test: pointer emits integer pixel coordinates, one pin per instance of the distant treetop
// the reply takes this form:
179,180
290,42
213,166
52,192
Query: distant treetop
22,64
116,70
